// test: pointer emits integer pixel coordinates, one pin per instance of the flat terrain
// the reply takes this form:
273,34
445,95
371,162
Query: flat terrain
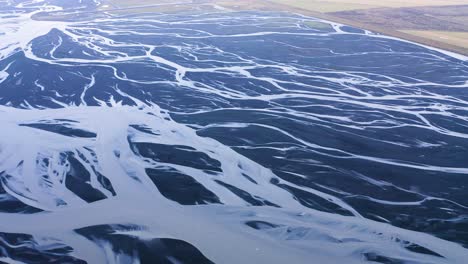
457,38
339,5
442,24
328,6
440,18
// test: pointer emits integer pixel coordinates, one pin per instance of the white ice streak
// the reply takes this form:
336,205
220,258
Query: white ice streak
4,74
40,86
92,82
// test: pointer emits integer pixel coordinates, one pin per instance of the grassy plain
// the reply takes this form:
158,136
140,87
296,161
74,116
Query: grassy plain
456,38
439,23
318,25
326,6
342,5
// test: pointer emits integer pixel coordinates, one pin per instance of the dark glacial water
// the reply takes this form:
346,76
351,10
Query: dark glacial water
229,137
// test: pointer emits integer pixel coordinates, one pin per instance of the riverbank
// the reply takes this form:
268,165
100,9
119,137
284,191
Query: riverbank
405,23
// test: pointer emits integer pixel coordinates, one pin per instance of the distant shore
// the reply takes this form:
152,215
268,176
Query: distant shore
393,22
377,29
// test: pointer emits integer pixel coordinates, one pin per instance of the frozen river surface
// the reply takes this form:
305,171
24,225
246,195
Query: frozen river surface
239,137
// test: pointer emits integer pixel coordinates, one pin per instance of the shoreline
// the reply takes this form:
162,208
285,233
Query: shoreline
456,51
